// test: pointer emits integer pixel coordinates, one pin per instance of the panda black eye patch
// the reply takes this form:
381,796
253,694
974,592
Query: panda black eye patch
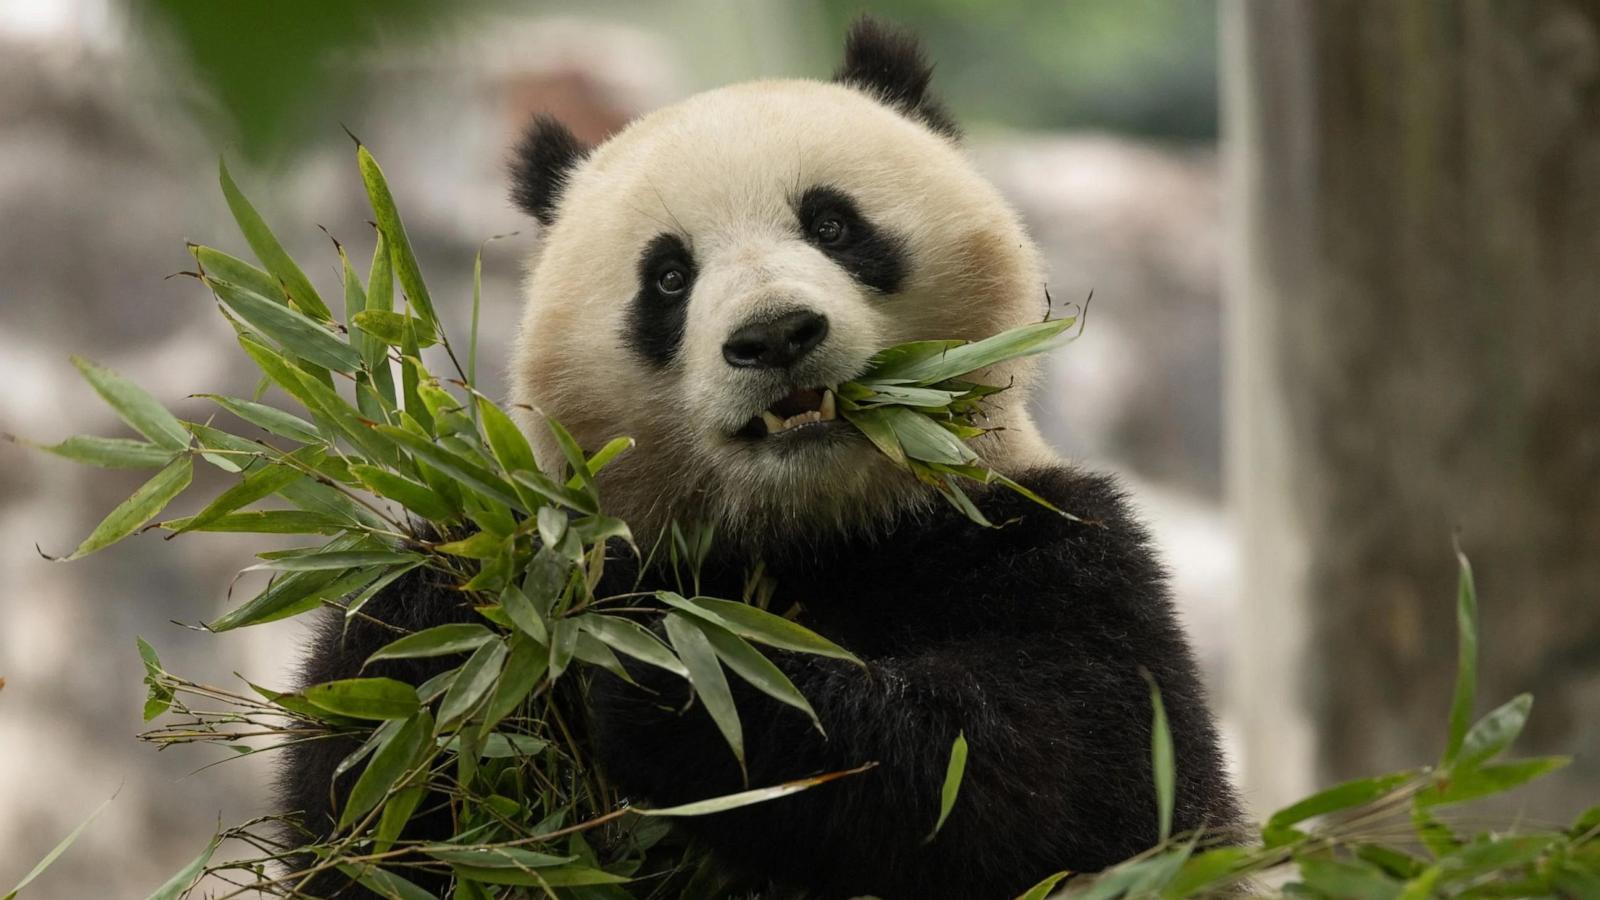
832,222
653,328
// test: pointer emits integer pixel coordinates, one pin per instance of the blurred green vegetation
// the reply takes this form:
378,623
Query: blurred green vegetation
271,75
1138,66
268,68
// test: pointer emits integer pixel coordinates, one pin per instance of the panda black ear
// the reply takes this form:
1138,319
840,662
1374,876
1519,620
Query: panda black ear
546,155
888,64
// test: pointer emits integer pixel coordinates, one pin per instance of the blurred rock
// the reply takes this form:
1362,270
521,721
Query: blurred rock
1139,225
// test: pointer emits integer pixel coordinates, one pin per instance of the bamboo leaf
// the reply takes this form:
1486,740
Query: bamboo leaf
499,745
262,481
524,668
1494,732
134,406
1042,890
887,364
596,652
390,327
145,504
57,850
380,298
563,642
384,883
705,674
523,614
320,399
390,761
110,453
359,600
376,739
547,488
1461,785
496,857
1142,876
559,876
417,497
748,663
605,455
364,698
957,361
874,423
396,816
231,268
233,454
1328,876
440,640
291,594
264,521
267,249
475,476
323,559
270,418
904,395
477,676
394,231
482,545
158,699
924,439
180,884
295,331
758,625
634,640
575,459
506,440
1161,758
956,768
1279,829
552,526
1213,869
750,797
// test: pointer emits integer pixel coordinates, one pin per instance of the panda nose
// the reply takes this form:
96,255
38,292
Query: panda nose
776,343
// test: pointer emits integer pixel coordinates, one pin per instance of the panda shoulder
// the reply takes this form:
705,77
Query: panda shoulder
1082,497
1093,540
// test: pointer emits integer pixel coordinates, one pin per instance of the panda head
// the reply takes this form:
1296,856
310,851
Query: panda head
708,275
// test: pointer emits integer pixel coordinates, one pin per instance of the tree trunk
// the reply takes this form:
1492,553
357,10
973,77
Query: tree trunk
1415,354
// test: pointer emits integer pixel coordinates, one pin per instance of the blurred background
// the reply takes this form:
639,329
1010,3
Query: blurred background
1345,259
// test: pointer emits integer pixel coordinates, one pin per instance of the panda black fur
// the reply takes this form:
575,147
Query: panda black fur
1030,638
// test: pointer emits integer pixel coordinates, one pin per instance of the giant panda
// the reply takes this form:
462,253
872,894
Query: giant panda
705,278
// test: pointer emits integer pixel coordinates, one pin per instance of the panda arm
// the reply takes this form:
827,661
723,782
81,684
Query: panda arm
1028,641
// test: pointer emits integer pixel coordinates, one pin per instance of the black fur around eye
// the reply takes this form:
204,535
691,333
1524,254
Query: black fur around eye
653,327
673,282
832,222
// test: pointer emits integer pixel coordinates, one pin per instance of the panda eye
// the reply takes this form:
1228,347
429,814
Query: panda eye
829,230
672,282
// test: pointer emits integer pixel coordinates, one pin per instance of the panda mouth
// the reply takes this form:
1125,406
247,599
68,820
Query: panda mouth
803,409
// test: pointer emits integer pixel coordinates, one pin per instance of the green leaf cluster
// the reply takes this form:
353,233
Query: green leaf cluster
917,405
392,471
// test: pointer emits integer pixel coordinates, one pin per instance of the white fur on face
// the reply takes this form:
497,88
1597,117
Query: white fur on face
723,171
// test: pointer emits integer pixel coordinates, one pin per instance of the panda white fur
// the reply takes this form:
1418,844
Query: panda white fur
704,278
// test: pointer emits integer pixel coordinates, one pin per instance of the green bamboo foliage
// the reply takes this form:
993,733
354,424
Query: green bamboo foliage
382,469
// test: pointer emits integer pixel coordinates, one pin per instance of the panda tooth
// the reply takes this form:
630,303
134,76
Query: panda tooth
774,424
827,412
